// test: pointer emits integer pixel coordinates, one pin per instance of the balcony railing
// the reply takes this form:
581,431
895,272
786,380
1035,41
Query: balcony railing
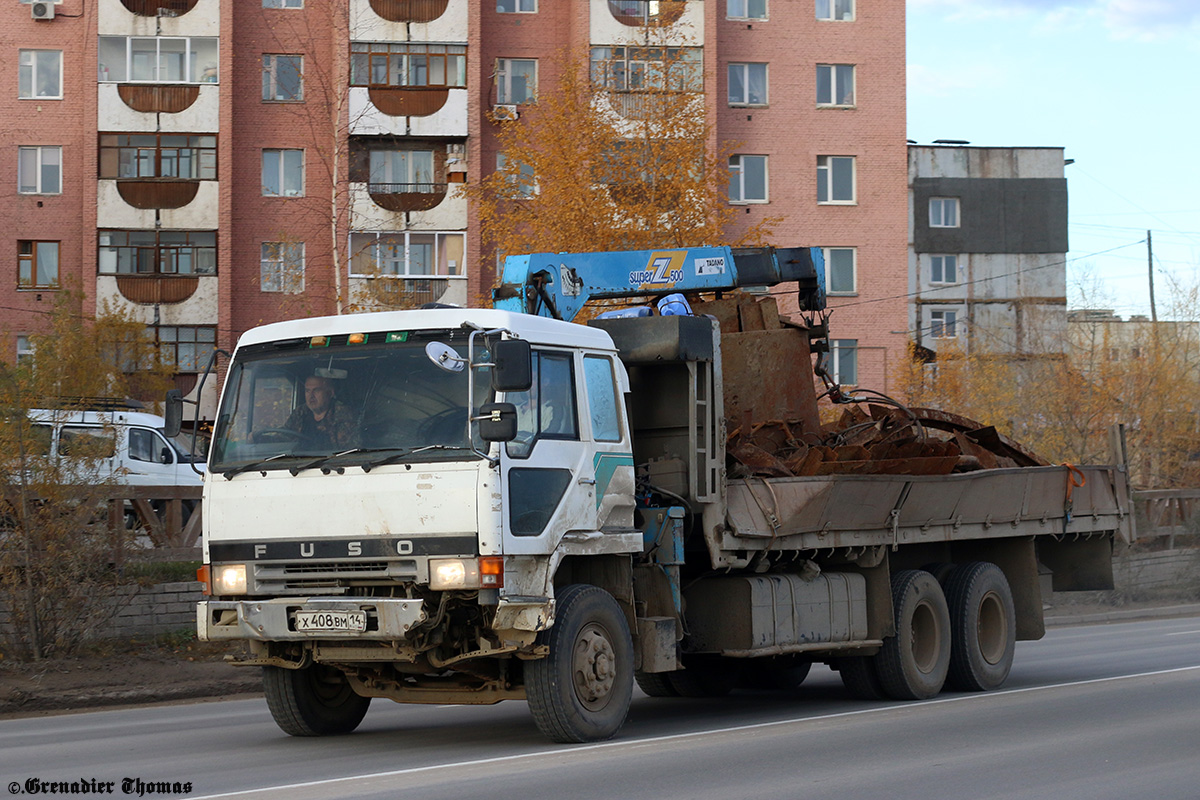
407,196
159,8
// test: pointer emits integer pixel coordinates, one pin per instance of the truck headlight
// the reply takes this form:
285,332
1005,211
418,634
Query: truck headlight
466,573
453,573
230,579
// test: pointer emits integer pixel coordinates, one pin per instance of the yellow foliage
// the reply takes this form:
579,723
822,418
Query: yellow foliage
594,169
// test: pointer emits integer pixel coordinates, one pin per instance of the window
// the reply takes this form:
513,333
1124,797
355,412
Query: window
283,78
835,84
747,84
397,64
630,69
282,267
746,9
24,348
86,442
845,361
282,173
748,179
188,348
283,3
39,170
943,269
516,6
39,74
516,80
37,265
835,179
943,324
837,10
157,59
522,181
146,445
602,399
547,410
840,270
396,171
943,212
406,254
158,155
157,252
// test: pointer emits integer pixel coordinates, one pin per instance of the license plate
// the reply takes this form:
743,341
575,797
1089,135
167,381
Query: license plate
331,621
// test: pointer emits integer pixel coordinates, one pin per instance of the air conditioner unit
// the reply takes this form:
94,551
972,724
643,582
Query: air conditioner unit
505,112
42,10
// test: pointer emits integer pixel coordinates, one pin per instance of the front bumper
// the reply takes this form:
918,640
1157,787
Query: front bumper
388,619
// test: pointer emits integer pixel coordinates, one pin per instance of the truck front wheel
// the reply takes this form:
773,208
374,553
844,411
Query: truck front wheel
983,625
314,701
913,664
580,692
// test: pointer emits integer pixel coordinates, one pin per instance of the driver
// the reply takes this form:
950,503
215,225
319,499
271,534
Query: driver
323,420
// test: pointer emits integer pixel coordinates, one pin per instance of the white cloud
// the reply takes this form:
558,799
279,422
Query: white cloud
1152,19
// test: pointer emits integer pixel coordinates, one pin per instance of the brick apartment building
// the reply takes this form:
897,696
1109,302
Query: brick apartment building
215,164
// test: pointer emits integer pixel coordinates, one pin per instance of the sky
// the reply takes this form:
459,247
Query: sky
1114,82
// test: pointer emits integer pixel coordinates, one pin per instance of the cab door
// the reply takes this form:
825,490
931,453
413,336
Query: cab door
548,472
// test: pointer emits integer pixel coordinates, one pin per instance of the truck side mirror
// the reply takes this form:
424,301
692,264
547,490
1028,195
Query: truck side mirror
497,422
173,414
512,367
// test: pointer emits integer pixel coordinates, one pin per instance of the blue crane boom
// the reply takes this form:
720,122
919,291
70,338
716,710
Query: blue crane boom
560,284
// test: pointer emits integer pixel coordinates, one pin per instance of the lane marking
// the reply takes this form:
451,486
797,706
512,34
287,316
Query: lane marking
675,737
1182,633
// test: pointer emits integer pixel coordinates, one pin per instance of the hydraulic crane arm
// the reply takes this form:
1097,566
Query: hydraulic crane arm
560,284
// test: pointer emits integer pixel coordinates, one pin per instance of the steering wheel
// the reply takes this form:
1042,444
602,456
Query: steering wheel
275,434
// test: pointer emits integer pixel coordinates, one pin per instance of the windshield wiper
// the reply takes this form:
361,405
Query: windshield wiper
367,466
253,465
320,462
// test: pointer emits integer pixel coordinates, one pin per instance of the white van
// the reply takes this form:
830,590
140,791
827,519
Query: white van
131,445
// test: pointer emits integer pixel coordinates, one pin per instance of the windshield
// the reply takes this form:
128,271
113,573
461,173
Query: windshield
309,403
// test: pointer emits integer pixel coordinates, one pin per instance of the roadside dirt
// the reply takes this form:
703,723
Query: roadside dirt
142,672
123,673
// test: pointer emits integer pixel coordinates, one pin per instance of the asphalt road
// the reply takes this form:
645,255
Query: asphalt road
1096,712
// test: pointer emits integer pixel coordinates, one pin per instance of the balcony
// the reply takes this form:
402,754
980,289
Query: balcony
370,119
159,8
396,292
673,22
409,10
407,196
647,13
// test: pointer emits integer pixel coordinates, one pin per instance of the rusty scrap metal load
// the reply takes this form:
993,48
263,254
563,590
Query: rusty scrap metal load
773,420
880,441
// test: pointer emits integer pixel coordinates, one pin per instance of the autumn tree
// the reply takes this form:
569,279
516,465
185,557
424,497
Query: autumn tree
56,540
1143,375
603,165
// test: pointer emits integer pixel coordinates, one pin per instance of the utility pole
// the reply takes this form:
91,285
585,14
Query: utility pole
1150,268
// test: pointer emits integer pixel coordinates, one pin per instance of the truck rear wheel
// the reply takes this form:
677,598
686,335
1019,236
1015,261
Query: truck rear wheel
314,701
983,626
580,692
860,677
913,664
655,684
705,678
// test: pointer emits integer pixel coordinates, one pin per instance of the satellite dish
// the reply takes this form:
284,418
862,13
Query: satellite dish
445,357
